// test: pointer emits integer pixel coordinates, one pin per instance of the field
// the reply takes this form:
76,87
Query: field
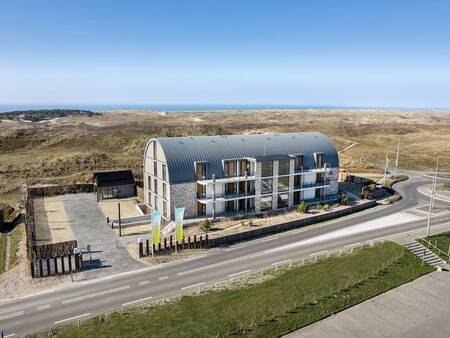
290,300
68,149
440,241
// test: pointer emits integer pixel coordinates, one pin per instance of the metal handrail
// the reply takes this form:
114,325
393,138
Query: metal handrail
434,246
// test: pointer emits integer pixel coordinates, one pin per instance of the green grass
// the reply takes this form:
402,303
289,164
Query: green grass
290,300
15,239
442,242
2,253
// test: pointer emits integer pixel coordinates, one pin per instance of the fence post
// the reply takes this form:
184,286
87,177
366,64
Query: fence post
55,264
195,241
48,266
153,248
63,268
147,247
70,262
170,242
200,242
33,272
165,244
159,246
141,247
41,272
189,242
206,241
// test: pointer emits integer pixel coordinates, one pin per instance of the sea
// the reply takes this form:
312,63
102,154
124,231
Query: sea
161,107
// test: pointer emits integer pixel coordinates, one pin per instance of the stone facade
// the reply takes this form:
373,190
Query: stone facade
333,188
184,195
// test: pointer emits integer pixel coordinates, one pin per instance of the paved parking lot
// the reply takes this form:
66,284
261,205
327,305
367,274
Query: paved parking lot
417,309
89,227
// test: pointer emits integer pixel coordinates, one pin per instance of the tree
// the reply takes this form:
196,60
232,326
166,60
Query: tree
344,199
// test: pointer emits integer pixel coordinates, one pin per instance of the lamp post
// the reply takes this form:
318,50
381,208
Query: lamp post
433,191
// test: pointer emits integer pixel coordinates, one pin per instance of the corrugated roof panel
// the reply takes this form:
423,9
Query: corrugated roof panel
182,152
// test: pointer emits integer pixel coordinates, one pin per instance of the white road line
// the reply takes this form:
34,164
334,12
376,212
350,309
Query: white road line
137,301
163,277
285,261
11,315
193,286
71,318
239,273
42,307
268,239
220,263
10,335
144,282
350,245
96,294
318,253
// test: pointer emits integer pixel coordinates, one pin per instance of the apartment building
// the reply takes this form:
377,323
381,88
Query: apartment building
225,175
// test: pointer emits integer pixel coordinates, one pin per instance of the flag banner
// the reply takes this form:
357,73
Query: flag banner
179,215
156,227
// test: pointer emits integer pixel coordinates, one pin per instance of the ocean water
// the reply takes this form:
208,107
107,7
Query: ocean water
158,107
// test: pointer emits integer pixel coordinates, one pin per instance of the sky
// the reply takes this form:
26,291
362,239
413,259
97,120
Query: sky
320,53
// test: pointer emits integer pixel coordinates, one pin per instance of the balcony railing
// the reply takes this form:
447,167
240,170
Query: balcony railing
312,185
228,196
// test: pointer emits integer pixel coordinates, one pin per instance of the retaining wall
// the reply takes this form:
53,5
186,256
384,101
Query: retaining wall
269,230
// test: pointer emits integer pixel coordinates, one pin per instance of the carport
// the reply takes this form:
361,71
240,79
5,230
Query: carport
114,184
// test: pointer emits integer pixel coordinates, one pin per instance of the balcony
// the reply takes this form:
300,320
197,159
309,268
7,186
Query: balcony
225,197
323,183
228,179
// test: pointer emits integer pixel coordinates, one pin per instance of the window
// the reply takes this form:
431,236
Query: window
200,170
230,188
266,169
155,150
244,167
156,203
201,190
266,186
230,168
201,209
283,200
283,183
298,163
319,160
297,181
297,197
164,174
320,178
149,183
165,209
229,206
266,203
250,187
149,199
155,185
283,167
155,169
164,190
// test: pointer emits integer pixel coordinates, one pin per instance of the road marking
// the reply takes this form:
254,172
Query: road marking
220,263
193,286
285,261
137,301
11,315
350,245
42,307
10,335
163,277
96,294
239,273
144,282
318,253
71,318
268,239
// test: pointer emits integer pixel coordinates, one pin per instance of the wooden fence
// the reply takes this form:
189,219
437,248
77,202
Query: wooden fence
168,245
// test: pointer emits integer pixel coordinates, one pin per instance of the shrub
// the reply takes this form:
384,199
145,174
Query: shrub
366,194
319,206
303,207
326,207
205,226
344,199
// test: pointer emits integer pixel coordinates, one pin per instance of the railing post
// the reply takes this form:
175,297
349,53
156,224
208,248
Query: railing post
63,268
55,264
141,247
41,270
195,241
147,247
33,272
200,242
206,241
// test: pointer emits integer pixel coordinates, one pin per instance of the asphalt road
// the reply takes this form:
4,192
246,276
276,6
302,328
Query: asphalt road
83,299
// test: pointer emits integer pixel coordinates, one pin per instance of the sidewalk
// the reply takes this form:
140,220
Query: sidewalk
417,309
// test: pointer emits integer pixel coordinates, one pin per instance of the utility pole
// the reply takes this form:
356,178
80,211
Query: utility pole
386,164
396,161
120,221
433,191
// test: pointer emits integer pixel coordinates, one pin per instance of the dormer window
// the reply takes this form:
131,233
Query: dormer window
320,160
200,170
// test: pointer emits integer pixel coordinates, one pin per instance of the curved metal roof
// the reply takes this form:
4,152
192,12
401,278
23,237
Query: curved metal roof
182,152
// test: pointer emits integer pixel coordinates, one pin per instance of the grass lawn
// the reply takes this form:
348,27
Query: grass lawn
442,242
292,299
15,238
2,253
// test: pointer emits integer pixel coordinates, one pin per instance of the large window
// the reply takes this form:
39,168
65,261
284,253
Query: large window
283,183
155,169
149,182
149,199
266,186
266,203
283,200
201,209
283,167
298,163
230,188
164,185
201,190
156,203
155,185
266,169
244,167
164,174
230,168
297,181
155,150
200,170
165,209
319,160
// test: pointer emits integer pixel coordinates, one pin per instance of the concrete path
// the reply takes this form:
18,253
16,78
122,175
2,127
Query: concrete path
417,309
110,255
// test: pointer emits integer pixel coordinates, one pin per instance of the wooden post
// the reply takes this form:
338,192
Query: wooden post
40,268
70,262
206,241
33,272
165,244
189,242
147,247
153,248
63,268
195,241
55,264
48,267
200,242
171,242
141,249
159,246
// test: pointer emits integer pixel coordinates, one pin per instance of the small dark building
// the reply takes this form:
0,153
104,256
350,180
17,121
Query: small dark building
114,184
